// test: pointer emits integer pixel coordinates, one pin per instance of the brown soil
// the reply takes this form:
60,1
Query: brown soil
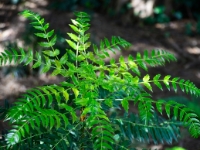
170,37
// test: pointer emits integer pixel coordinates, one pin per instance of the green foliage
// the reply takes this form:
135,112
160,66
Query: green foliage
175,148
83,112
192,103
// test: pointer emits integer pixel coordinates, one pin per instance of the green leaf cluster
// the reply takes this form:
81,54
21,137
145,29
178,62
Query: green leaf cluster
83,112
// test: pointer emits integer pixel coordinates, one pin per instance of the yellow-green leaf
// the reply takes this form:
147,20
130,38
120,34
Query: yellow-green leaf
76,92
146,78
73,37
74,28
72,44
66,95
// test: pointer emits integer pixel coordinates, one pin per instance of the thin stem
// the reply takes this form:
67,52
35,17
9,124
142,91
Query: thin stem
77,49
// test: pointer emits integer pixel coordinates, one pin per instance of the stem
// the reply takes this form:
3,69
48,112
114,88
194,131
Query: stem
77,48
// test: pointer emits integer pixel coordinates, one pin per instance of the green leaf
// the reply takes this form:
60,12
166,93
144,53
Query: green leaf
29,57
72,55
45,44
26,126
131,63
15,55
41,21
182,113
74,79
66,84
50,43
39,28
76,92
125,104
159,105
109,102
66,95
42,35
107,42
57,122
176,110
102,45
72,44
57,64
64,58
37,121
135,80
23,55
49,34
181,82
86,37
69,109
53,40
81,14
145,82
174,80
80,58
38,62
148,86
86,45
166,81
73,37
66,121
22,132
167,109
157,82
146,78
8,54
46,26
74,28
47,66
49,95
56,72
156,78
32,124
52,122
52,53
75,22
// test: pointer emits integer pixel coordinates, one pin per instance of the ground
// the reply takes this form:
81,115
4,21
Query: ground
171,37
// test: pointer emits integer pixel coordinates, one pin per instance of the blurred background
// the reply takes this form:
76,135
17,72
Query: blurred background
172,25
